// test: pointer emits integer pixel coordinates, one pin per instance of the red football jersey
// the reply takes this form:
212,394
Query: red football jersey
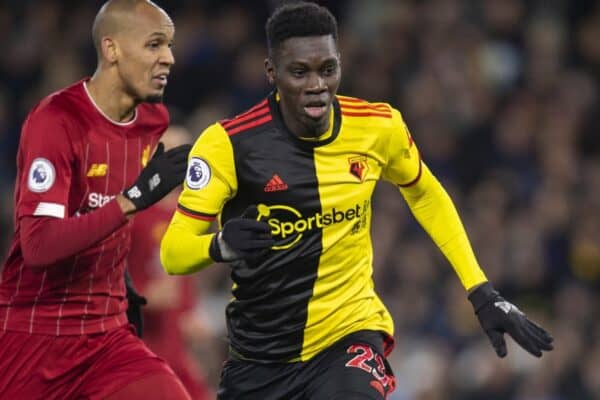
73,160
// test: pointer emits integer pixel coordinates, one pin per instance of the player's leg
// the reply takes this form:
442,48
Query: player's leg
163,386
39,366
253,381
192,376
127,369
352,369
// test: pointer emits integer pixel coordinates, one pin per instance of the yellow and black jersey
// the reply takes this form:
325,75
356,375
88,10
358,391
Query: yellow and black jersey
315,285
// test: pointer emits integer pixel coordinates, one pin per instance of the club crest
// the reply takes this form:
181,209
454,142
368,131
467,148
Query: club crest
359,167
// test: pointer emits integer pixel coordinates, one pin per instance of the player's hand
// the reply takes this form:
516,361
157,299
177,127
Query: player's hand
497,316
162,174
244,238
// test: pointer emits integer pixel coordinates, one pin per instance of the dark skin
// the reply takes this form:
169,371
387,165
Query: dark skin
306,72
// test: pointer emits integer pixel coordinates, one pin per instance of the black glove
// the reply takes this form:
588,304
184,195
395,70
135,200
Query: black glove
242,238
164,171
134,307
497,316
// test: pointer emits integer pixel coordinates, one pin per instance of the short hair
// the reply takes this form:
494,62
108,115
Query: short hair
108,20
297,20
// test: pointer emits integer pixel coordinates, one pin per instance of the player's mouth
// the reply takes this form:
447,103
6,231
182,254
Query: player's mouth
160,79
316,109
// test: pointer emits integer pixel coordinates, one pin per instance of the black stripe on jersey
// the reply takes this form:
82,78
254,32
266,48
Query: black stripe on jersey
195,214
267,318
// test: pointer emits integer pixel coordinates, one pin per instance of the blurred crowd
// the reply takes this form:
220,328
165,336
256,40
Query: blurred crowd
502,97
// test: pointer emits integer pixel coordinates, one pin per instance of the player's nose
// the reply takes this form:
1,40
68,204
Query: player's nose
167,57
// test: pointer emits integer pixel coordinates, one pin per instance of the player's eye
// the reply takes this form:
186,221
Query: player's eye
298,72
330,69
153,45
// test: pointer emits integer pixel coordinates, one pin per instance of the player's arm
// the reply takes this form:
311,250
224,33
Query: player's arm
184,247
430,204
210,181
48,233
432,207
46,158
435,211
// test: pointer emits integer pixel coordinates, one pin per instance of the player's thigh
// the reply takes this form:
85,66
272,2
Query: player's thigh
351,371
161,386
126,362
38,366
243,380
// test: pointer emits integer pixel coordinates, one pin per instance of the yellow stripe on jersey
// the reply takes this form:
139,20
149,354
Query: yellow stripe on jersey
373,137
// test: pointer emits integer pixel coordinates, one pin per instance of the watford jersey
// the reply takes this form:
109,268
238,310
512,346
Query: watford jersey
315,285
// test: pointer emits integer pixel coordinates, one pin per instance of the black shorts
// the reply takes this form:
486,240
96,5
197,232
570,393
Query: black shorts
353,368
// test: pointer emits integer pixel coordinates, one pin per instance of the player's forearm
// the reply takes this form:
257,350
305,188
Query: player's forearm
46,240
435,211
183,251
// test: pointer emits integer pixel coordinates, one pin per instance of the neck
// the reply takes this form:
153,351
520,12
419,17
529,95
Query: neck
110,98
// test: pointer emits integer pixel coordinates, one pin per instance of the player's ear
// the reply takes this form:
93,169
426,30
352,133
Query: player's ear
270,70
109,49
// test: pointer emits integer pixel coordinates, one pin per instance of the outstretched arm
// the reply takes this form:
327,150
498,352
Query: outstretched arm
436,213
433,208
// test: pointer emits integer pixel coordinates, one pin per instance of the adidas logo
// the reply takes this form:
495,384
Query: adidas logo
275,184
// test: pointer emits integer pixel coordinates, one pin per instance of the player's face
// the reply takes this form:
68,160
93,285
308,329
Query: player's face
146,57
307,73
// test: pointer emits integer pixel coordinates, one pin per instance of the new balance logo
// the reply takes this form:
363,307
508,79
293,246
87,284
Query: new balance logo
154,182
275,184
134,193
97,170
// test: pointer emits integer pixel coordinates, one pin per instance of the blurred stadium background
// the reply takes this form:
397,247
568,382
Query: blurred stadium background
503,98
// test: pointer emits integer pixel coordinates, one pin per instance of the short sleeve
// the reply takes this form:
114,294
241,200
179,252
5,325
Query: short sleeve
45,165
403,167
210,179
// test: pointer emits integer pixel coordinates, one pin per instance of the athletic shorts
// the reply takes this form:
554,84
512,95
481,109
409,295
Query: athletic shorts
353,368
73,367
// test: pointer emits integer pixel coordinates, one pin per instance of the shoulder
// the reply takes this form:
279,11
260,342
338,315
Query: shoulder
213,137
363,112
61,104
248,121
56,113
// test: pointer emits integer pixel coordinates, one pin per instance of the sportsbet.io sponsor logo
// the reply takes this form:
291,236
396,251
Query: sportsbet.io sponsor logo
288,225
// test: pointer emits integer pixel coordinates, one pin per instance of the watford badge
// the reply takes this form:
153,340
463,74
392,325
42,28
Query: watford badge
359,167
